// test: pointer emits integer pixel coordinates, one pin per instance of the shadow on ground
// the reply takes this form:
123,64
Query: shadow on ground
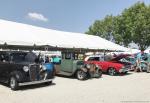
74,78
69,77
35,86
28,87
120,74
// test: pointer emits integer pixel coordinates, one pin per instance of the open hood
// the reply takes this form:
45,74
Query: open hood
120,56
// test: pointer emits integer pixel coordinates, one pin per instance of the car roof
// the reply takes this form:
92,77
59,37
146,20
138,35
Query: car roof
95,56
5,51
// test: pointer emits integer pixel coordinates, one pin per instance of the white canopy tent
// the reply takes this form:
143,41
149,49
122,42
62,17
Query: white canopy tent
131,51
13,33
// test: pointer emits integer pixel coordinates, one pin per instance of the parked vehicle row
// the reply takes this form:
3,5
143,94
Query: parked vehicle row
19,68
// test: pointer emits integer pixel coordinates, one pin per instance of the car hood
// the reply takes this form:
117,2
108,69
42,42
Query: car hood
109,63
118,57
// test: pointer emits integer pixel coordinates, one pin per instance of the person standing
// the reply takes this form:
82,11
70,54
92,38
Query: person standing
138,61
148,62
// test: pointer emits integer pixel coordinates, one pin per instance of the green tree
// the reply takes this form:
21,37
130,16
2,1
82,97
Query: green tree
102,28
136,25
132,25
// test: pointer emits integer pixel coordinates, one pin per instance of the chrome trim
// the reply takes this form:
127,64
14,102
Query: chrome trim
30,70
35,82
123,70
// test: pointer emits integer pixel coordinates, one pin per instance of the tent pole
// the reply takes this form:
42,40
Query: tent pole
104,54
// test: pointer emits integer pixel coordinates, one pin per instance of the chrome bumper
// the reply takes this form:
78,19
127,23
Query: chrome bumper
35,82
123,70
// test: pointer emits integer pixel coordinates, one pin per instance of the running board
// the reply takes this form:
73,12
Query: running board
35,82
64,73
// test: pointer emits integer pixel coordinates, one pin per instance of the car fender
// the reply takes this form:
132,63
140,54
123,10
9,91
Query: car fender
84,69
116,66
18,75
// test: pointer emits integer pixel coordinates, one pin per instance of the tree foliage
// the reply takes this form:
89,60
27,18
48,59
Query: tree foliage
132,25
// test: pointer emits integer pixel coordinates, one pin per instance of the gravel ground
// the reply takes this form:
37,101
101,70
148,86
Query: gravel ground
131,88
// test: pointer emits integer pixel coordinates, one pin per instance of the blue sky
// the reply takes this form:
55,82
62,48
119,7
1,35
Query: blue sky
64,15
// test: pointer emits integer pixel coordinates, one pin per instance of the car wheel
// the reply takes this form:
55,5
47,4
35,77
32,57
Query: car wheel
13,83
125,72
111,71
148,70
81,75
98,73
48,83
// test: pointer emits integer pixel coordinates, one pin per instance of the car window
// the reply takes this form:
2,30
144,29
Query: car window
93,59
80,63
123,60
31,57
4,57
18,57
127,58
23,57
68,56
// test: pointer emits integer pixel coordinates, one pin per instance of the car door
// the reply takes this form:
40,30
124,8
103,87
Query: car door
4,65
99,61
67,65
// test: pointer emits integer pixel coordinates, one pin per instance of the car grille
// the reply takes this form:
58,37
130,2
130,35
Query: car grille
34,72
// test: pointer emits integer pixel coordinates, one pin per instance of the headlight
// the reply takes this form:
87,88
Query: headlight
88,66
123,67
40,66
97,66
43,67
26,68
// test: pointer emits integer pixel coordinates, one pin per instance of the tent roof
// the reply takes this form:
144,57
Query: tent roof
13,33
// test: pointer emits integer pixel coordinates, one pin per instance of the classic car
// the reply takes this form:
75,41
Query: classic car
132,59
107,67
122,59
72,65
19,68
143,62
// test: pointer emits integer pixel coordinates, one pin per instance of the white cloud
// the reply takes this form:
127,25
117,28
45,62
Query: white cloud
37,16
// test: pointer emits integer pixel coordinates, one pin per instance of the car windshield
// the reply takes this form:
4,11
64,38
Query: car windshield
80,63
23,57
95,59
123,60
